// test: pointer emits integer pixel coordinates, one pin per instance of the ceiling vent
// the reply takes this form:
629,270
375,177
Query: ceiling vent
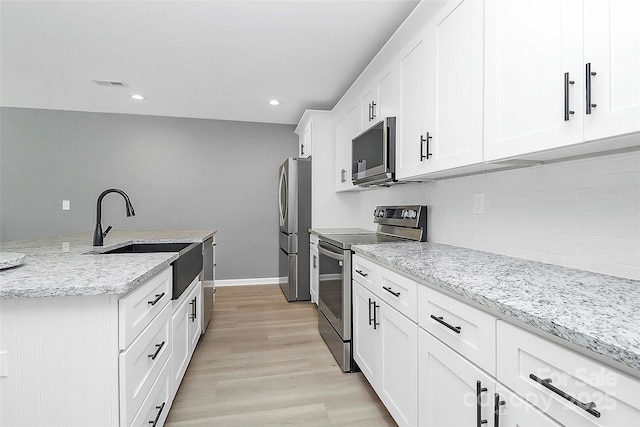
111,83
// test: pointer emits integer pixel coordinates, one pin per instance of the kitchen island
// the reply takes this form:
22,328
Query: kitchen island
95,339
552,344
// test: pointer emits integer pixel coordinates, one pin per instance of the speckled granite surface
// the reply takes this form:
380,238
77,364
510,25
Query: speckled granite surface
595,311
65,265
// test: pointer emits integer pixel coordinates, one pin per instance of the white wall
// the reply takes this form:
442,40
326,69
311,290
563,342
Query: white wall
583,214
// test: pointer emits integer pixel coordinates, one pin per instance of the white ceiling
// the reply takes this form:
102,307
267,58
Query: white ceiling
202,59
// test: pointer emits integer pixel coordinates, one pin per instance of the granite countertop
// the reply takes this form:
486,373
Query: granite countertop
69,265
594,311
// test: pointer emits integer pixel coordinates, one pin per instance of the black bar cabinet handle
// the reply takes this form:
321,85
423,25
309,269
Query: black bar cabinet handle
546,383
425,141
588,75
496,409
194,309
567,111
159,408
361,273
302,149
375,316
159,347
456,329
155,301
370,319
388,289
479,391
373,110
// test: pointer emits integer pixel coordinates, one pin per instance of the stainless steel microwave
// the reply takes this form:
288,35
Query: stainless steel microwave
373,154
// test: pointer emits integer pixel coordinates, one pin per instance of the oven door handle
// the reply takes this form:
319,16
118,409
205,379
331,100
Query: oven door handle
336,256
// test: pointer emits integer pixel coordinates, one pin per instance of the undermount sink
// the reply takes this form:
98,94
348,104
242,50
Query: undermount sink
143,248
185,268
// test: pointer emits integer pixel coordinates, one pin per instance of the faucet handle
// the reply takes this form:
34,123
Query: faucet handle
106,231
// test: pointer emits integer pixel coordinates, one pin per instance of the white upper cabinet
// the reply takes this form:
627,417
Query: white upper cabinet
612,48
304,130
441,76
346,128
410,122
529,48
379,99
539,93
454,85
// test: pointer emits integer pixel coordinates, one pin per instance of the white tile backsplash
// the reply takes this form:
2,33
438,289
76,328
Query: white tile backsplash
583,213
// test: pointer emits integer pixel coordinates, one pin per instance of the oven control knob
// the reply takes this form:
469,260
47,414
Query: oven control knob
413,214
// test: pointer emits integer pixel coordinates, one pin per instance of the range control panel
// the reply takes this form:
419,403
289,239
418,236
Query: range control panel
410,216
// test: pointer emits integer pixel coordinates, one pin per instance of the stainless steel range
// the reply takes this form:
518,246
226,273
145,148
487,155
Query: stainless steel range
395,224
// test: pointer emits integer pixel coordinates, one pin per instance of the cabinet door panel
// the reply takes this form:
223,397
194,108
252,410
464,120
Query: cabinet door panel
346,129
447,387
612,47
529,47
387,94
411,120
398,376
364,336
455,84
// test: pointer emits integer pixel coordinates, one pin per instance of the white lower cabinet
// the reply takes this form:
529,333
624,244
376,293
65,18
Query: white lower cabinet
186,327
460,366
452,391
385,349
103,360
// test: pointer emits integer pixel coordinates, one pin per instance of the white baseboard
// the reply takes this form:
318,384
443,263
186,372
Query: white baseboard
253,281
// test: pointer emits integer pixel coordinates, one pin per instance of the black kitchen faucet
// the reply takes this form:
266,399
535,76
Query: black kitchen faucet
98,235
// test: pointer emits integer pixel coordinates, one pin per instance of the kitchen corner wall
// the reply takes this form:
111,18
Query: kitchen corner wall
179,173
583,214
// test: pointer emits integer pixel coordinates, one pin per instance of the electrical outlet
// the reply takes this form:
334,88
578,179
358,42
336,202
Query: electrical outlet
478,203
66,205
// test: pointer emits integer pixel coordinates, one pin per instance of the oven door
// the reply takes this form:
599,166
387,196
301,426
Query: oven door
334,288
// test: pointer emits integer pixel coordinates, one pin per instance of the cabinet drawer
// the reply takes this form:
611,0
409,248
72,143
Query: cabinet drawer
138,308
153,412
469,331
595,395
363,271
141,363
399,292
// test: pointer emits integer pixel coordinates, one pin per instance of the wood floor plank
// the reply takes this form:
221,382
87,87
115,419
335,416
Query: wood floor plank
263,363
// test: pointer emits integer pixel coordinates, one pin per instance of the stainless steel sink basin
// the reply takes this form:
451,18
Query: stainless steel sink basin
185,268
141,248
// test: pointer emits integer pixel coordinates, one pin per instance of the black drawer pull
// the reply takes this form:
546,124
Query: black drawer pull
159,408
388,289
546,383
194,310
154,355
455,329
155,301
361,273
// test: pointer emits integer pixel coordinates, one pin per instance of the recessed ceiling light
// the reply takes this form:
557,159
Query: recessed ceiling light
274,102
137,97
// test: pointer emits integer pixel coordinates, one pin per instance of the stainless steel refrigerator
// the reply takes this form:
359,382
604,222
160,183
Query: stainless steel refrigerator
294,201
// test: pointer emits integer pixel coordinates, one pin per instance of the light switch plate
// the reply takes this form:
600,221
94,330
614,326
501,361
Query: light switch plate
66,205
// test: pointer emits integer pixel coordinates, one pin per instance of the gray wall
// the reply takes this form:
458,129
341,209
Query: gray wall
179,173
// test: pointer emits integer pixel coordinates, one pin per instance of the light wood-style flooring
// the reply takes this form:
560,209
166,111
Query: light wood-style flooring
263,363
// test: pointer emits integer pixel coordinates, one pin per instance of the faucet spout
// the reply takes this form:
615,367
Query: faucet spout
98,234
